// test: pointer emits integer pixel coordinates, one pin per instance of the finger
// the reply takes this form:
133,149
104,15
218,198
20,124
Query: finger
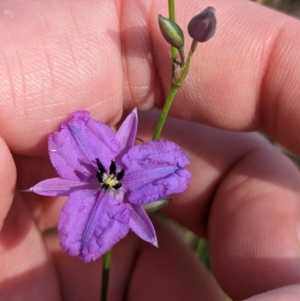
241,79
7,180
52,63
244,196
140,271
32,170
181,275
253,225
287,293
93,55
27,271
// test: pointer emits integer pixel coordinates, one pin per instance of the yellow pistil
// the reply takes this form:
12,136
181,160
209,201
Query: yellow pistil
111,181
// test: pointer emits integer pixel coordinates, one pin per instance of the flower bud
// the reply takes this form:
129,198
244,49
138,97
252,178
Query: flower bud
203,26
171,32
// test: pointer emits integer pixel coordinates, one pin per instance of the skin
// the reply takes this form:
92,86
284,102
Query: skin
106,56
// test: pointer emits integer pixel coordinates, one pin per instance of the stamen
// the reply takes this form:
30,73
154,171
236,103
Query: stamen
111,181
120,175
112,168
101,168
105,186
117,186
99,176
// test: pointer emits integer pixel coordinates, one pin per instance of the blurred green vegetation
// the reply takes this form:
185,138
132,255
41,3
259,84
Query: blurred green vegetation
291,7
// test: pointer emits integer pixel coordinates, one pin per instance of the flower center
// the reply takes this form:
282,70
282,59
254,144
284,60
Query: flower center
111,180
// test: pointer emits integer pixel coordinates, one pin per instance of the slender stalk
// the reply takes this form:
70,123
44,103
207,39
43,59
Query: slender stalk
172,92
173,88
105,275
171,5
177,81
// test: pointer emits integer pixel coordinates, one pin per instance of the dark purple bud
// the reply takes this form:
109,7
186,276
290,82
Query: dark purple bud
171,32
203,26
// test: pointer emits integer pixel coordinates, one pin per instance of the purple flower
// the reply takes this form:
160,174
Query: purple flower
108,179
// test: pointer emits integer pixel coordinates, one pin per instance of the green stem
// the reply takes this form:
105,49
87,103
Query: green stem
172,92
202,251
178,79
172,17
105,275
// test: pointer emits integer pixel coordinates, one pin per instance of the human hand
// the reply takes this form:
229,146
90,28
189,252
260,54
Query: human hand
102,56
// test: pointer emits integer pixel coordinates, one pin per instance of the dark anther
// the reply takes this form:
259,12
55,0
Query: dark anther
112,168
120,175
101,168
99,176
117,186
105,186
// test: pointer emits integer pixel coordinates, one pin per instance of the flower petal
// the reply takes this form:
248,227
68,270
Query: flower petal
154,170
74,148
91,222
127,133
60,187
141,224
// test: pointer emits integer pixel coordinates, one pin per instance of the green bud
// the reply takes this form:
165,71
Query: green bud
154,206
171,32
